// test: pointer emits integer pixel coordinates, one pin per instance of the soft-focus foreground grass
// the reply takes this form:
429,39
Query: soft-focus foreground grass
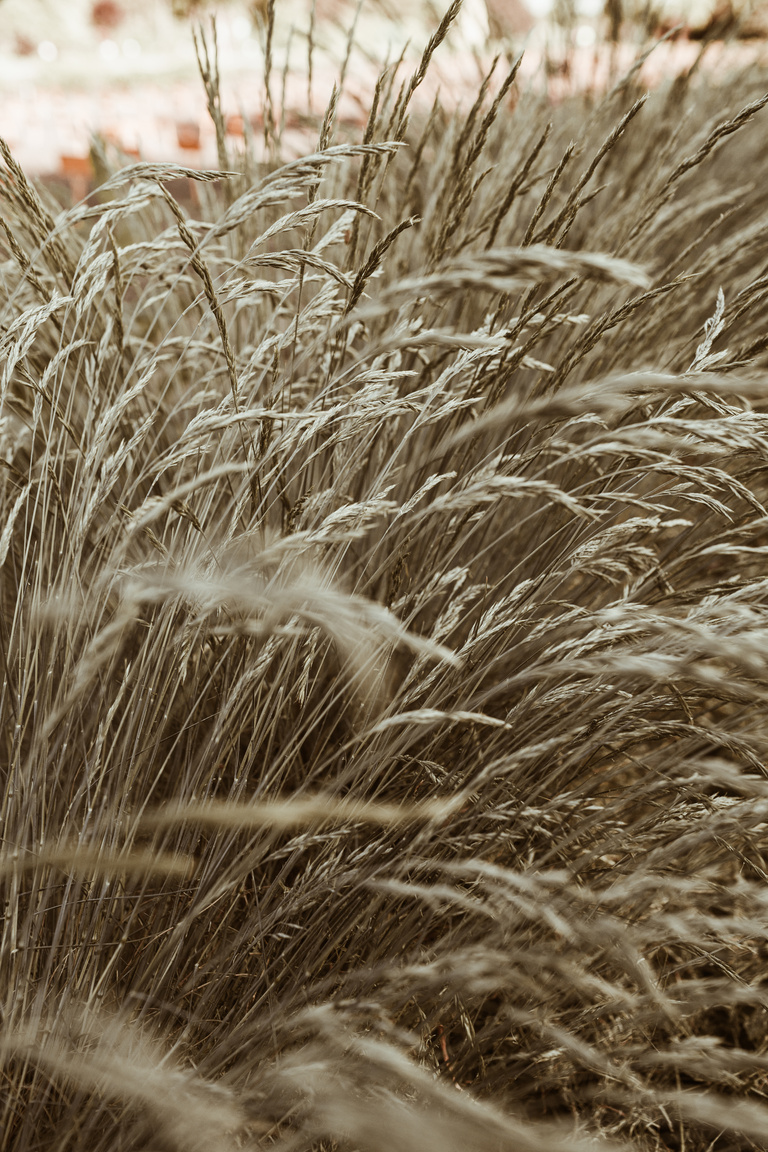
384,636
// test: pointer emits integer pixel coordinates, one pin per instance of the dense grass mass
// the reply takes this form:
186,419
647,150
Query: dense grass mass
384,637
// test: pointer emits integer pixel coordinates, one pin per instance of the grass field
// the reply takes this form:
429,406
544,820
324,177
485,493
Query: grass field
384,636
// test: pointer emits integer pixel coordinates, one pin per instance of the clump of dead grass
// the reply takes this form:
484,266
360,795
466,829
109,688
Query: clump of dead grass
383,637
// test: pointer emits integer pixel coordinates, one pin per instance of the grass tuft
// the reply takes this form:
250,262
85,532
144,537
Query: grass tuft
383,634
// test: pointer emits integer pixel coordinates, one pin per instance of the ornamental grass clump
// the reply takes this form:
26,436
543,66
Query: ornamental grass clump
384,636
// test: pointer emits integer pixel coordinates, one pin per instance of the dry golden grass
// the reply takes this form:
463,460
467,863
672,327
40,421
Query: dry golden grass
384,637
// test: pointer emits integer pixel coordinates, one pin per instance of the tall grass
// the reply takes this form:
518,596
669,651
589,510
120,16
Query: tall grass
384,637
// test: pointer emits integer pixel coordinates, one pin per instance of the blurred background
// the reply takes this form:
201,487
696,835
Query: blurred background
126,74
